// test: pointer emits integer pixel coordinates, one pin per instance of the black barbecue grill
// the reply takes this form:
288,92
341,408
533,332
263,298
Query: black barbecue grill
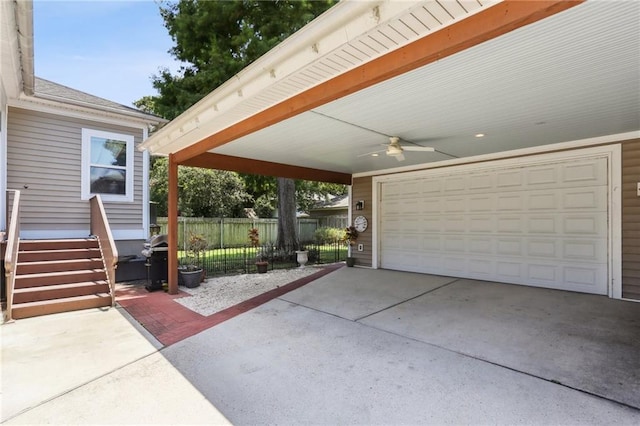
156,250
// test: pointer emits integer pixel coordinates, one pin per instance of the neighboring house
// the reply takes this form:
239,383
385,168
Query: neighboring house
549,196
60,146
332,212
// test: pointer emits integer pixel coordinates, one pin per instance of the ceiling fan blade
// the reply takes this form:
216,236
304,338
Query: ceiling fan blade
418,148
371,153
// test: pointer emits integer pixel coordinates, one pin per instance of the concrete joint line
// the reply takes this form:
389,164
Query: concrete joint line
46,401
555,382
407,300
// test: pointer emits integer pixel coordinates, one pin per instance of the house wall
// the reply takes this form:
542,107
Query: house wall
44,153
362,190
630,220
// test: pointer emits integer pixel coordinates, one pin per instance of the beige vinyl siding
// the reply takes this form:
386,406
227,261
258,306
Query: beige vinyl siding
630,220
44,152
362,190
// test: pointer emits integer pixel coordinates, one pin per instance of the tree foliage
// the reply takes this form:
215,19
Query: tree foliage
202,192
215,40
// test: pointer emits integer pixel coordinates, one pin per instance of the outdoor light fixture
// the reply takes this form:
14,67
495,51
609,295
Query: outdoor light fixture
360,205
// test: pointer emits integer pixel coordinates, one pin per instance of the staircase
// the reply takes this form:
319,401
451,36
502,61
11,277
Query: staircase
58,276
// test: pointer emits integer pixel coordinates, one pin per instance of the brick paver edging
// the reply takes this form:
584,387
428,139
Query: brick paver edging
170,322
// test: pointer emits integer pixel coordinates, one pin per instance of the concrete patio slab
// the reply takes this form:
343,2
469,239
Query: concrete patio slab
583,341
43,357
354,293
149,391
93,367
288,364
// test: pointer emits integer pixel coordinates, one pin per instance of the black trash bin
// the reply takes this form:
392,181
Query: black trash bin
156,250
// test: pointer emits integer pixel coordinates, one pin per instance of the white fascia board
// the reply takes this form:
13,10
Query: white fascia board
10,67
24,30
562,146
336,27
75,111
142,116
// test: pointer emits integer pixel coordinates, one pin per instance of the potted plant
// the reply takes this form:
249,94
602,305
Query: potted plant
350,237
261,258
192,274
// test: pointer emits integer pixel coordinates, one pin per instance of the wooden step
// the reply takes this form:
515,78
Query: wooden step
59,291
66,277
33,309
24,268
59,275
66,254
66,244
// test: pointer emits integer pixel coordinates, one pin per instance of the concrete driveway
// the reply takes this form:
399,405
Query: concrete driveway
365,346
380,347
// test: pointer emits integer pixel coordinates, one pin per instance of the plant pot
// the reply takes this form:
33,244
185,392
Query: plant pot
351,261
262,267
191,279
302,257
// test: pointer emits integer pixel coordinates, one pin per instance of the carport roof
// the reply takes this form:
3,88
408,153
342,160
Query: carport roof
434,73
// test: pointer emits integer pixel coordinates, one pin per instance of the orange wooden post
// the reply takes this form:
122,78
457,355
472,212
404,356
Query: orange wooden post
172,226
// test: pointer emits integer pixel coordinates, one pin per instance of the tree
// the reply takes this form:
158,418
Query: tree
287,217
203,192
217,39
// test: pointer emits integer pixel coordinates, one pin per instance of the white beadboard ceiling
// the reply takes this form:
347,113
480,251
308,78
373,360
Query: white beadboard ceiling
572,76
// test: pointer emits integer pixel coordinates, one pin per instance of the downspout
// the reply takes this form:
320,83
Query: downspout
145,187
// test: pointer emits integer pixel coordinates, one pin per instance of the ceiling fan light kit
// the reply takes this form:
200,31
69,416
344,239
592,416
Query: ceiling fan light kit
394,149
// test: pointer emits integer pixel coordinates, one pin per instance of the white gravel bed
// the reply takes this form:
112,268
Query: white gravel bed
219,293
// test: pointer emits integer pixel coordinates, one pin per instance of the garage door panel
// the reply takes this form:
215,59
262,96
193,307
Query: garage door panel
509,179
455,184
543,225
482,182
585,173
482,224
586,250
584,199
509,247
481,204
594,224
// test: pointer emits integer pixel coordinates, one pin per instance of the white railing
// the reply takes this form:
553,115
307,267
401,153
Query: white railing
11,253
100,228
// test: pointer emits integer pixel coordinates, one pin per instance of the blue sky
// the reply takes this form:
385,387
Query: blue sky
106,48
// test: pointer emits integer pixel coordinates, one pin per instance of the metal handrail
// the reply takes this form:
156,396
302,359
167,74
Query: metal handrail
11,254
100,228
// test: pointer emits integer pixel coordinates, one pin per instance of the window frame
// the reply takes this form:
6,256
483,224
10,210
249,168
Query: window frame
85,180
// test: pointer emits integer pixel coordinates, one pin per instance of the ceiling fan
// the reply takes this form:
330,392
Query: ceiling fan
394,149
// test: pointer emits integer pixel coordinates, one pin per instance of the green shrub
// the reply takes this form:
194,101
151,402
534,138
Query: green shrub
328,235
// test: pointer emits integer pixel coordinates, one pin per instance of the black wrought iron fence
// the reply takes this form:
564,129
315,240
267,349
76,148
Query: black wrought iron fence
242,259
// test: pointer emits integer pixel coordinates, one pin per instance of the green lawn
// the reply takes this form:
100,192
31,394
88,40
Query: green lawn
216,258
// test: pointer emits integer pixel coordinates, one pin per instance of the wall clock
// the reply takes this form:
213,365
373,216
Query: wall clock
360,223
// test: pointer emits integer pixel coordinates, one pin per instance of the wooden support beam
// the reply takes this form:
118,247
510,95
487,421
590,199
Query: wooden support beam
266,168
172,226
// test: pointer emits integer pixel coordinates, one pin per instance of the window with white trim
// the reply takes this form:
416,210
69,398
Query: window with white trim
107,165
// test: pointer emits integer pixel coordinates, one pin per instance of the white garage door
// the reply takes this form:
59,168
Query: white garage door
539,224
